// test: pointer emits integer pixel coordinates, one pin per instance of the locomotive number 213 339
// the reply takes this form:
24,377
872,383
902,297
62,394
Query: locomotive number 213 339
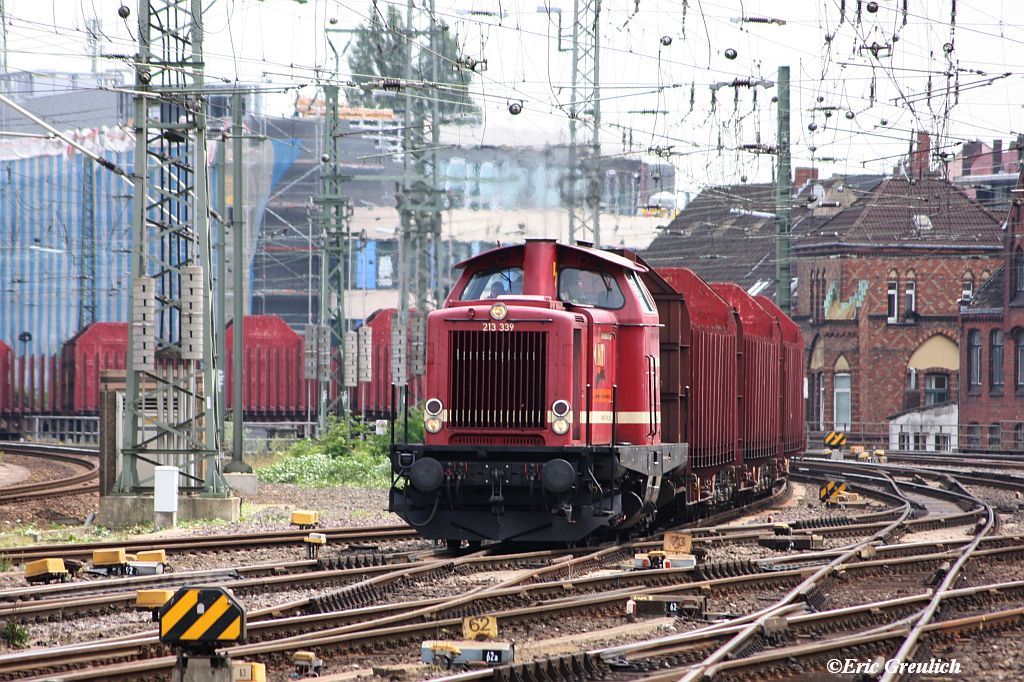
498,326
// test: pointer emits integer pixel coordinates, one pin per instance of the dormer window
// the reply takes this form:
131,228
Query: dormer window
922,222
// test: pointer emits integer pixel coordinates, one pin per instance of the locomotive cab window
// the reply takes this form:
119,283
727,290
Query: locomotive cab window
488,284
589,287
640,291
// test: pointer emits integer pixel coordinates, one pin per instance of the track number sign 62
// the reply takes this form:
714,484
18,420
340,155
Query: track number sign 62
479,627
498,326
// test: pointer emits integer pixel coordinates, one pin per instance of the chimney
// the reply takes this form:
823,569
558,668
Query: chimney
970,153
997,156
802,177
920,159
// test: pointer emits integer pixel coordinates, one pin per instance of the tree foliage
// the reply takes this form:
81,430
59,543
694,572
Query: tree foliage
380,50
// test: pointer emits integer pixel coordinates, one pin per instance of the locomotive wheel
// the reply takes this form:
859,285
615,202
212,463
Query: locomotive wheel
454,545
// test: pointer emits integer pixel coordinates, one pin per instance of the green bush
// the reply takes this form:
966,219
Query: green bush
347,453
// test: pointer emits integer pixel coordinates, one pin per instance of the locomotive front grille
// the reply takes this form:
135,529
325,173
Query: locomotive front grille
497,379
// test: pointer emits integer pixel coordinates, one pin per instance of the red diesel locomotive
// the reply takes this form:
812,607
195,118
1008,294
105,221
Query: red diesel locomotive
574,391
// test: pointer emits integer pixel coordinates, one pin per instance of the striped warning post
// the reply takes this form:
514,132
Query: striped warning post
835,439
830,491
202,618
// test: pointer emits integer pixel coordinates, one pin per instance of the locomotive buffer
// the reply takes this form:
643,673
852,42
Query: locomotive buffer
197,621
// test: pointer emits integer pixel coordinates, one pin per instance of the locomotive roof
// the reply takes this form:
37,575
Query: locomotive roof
600,254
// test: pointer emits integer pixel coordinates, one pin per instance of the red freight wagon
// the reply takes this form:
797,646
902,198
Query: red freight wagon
374,397
100,346
709,374
275,387
760,393
6,377
792,379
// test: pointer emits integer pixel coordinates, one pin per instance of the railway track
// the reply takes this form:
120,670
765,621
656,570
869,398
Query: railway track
84,479
823,596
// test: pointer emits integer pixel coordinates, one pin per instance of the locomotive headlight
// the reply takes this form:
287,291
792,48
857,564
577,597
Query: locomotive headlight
560,426
433,407
560,408
499,311
433,424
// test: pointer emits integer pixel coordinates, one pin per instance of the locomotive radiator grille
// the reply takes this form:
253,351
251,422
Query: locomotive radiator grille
497,379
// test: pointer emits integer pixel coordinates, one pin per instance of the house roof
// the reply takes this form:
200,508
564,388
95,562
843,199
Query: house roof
900,213
716,236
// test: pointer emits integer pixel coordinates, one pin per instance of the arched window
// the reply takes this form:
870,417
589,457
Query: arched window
910,295
1018,271
974,359
995,359
995,436
1018,361
973,438
842,385
967,286
892,297
984,277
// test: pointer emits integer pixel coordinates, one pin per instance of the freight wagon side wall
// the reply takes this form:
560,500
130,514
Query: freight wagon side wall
760,390
792,379
273,386
100,346
6,377
711,401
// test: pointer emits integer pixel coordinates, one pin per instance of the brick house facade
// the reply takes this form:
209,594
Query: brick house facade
992,355
878,294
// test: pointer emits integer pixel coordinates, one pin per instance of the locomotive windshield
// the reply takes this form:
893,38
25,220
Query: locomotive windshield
493,283
589,287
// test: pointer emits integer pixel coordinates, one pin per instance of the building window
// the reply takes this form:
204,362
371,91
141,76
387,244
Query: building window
910,298
995,359
920,441
1018,361
974,359
973,438
994,436
904,441
942,442
967,287
936,389
1018,272
1018,436
841,404
892,300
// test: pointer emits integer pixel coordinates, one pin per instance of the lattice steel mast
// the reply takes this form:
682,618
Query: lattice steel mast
583,187
170,402
419,201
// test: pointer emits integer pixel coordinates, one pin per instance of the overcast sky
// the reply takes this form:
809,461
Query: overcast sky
282,44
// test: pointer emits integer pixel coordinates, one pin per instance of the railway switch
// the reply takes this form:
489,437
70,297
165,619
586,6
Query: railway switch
119,562
677,605
313,542
152,600
244,671
466,653
659,559
306,664
198,621
48,571
305,519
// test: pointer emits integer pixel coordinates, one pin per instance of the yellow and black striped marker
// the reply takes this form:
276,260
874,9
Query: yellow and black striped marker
202,618
830,491
835,439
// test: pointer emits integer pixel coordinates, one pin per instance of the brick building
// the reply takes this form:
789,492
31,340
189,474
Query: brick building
879,286
992,326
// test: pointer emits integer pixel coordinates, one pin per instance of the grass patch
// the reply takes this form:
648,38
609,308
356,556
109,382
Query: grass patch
14,634
347,454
